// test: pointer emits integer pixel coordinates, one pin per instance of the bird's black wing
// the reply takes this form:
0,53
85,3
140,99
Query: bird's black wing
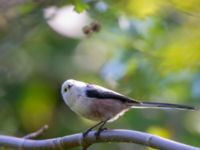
93,92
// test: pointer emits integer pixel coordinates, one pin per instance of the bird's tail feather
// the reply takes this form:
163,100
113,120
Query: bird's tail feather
162,106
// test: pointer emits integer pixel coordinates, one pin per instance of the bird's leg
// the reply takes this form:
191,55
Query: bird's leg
90,129
85,145
101,128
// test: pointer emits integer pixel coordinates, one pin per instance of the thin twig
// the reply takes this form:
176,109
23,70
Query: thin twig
37,133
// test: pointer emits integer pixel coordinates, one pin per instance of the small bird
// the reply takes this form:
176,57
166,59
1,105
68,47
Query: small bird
103,105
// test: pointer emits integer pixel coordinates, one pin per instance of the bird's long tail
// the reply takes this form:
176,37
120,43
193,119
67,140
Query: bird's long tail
162,106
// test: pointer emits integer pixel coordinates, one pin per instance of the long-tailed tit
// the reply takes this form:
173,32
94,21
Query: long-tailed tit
103,105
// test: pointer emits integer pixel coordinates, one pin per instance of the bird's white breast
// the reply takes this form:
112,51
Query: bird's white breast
77,101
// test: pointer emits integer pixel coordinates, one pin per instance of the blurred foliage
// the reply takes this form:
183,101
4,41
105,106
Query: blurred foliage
80,6
147,49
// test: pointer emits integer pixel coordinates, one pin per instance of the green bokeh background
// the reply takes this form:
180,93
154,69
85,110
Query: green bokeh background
156,58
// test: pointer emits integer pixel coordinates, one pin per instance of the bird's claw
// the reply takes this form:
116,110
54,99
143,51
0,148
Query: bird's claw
97,134
86,133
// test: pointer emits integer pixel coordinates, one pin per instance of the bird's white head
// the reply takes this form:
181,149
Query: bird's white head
66,87
71,89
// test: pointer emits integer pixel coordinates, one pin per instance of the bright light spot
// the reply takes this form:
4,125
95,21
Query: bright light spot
66,21
113,71
90,55
101,6
124,23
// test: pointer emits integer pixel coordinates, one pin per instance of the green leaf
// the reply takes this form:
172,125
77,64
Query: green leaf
80,6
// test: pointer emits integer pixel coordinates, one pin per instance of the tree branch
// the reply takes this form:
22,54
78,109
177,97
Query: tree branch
106,136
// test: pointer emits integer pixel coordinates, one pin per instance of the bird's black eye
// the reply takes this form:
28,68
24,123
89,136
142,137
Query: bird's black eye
69,86
65,89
